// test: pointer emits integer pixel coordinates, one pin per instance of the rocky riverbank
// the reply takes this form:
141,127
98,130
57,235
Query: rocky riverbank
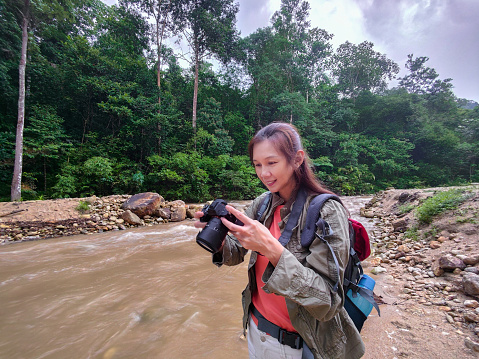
35,220
429,266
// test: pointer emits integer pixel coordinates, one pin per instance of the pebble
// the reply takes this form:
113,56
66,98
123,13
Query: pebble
471,304
378,270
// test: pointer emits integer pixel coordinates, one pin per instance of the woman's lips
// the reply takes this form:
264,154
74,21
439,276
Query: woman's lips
270,183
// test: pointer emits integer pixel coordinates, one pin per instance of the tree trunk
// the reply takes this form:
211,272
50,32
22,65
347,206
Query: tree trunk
45,176
158,54
158,77
16,190
195,91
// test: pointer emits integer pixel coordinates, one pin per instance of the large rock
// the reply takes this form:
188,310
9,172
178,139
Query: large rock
471,284
192,209
163,212
449,263
143,204
367,214
400,225
471,259
131,218
178,211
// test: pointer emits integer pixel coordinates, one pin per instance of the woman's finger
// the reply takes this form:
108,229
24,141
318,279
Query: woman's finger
230,225
198,214
238,214
199,224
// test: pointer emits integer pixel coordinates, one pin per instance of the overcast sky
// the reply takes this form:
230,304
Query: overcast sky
446,31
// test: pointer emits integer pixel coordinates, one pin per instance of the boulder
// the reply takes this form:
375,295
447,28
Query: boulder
474,270
366,214
403,197
471,317
471,259
449,263
471,344
178,211
400,225
131,218
163,212
192,209
378,270
471,284
143,204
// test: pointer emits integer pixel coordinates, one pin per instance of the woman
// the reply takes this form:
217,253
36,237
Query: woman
290,307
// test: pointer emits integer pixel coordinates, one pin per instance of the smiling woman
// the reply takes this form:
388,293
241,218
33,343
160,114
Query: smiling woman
290,307
273,169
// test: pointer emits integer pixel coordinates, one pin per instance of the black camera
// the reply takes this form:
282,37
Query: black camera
212,236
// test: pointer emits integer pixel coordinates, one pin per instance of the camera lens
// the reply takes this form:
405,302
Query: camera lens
212,236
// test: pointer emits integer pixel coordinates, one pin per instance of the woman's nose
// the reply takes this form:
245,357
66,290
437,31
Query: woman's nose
265,172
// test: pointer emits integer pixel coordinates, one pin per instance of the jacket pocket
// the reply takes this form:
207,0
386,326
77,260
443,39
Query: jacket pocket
328,337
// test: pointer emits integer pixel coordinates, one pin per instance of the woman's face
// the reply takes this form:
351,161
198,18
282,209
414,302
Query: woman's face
273,169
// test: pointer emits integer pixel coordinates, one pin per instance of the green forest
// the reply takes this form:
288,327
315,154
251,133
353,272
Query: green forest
112,107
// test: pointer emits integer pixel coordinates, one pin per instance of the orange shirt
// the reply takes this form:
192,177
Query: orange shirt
272,306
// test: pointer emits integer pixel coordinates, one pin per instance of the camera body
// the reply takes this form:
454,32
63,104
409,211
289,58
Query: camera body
212,236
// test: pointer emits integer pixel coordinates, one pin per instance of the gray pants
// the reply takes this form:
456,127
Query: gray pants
264,346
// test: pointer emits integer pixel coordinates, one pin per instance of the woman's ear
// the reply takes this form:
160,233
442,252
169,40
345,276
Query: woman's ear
298,161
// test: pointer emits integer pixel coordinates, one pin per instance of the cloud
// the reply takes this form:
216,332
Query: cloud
444,31
255,14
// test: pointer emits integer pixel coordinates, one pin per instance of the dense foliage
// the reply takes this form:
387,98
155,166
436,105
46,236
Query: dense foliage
441,202
98,122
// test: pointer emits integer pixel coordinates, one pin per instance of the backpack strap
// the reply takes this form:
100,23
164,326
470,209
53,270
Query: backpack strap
264,205
298,206
368,295
315,226
312,219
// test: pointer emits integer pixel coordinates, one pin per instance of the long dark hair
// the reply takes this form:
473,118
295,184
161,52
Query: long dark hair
285,138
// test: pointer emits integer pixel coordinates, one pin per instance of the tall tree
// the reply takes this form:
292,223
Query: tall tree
302,50
284,61
16,191
165,25
10,49
209,27
421,79
359,68
33,15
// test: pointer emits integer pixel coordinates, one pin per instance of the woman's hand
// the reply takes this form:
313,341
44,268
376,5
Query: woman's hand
254,236
198,223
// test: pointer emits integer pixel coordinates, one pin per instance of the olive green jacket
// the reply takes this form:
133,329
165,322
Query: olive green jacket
305,277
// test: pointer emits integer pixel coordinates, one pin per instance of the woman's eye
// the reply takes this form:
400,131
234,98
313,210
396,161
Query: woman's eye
271,163
257,165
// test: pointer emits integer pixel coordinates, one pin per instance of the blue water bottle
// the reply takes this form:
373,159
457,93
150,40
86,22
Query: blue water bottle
361,303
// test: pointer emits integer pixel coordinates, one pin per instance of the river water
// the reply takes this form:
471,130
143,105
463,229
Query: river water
148,292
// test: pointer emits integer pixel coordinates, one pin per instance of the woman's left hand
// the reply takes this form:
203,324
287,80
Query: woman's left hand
254,236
